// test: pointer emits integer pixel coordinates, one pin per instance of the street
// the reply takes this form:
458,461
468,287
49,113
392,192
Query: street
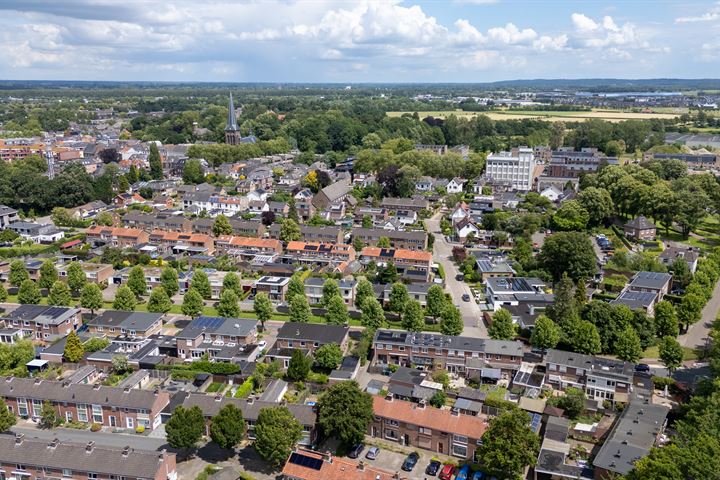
697,334
442,254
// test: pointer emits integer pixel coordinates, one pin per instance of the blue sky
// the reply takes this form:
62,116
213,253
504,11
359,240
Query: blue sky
357,41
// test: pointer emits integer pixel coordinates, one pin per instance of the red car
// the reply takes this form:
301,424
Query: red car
447,472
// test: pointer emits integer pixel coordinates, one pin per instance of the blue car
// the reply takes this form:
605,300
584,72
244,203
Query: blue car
463,473
478,475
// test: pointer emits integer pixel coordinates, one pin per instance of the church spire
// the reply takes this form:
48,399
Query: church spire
231,120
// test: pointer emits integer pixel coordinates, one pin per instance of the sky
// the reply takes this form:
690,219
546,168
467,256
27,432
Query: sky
357,41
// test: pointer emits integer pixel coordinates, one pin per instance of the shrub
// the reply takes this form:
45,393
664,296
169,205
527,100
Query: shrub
662,382
95,427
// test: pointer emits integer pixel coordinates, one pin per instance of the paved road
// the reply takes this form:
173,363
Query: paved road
107,439
697,335
442,254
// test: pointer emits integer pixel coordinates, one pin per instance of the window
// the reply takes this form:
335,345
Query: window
68,416
391,434
394,423
92,476
67,472
97,414
22,407
460,438
130,422
20,468
82,413
425,431
459,450
402,349
37,407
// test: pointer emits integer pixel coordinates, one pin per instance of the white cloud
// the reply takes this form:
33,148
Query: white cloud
511,35
709,16
583,23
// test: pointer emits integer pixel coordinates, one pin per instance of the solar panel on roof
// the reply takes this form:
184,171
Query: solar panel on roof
535,422
305,461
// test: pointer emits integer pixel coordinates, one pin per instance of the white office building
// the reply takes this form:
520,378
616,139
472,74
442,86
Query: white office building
512,168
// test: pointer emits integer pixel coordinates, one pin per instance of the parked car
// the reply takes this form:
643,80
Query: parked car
262,345
410,462
460,277
466,298
447,472
463,473
356,450
433,467
478,475
642,367
372,453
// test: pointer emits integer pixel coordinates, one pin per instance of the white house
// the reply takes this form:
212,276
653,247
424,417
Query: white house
424,184
460,211
464,228
552,193
456,185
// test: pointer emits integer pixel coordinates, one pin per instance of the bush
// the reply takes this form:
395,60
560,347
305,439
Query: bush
219,368
662,382
95,427
244,390
319,378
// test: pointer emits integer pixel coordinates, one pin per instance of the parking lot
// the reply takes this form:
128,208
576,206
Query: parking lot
392,456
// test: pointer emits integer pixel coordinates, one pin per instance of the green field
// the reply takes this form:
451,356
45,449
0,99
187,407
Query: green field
552,116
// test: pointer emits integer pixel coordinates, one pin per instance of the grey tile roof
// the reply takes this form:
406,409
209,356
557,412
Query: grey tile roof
42,313
139,321
313,332
498,347
210,406
635,300
596,365
653,280
74,456
640,223
240,327
76,393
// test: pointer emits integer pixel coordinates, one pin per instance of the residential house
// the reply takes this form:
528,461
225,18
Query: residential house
307,337
7,216
314,290
414,264
215,277
640,229
417,291
113,323
10,335
406,217
424,184
236,246
653,282
98,273
306,252
415,204
418,425
243,228
600,378
689,255
466,230
525,308
43,323
36,232
210,335
375,214
456,354
552,193
308,233
125,199
490,265
311,465
34,458
412,384
280,209
160,221
113,407
554,460
502,290
116,236
275,287
644,301
335,192
460,212
411,240
181,242
456,185
89,210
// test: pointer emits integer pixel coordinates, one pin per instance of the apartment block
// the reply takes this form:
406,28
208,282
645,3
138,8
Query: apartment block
514,169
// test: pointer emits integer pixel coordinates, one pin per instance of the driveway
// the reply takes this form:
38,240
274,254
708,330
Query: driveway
442,254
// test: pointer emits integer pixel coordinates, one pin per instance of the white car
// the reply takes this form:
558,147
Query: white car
262,345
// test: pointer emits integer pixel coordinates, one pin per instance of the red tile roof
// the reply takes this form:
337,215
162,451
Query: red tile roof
337,469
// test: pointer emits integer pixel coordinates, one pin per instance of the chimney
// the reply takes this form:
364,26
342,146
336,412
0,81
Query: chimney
126,451
89,447
421,404
361,466
126,389
389,397
455,412
218,398
297,332
251,399
396,476
162,455
38,380
96,386
19,438
329,457
54,443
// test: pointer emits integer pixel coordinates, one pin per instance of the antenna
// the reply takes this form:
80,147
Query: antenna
50,158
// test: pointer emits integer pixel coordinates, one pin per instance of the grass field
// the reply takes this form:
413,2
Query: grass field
552,116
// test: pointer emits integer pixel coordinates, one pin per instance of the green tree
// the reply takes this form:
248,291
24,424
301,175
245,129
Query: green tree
413,320
125,299
104,219
192,305
60,295
336,312
169,280
546,333
136,281
330,289
29,293
573,402
690,309
436,301
367,221
277,432
373,316
232,282
569,252
598,204
671,353
185,427
627,345
564,310
193,172
399,298
299,366
299,309
345,412
263,308
222,226
3,294
95,344
228,305
363,290
295,287
76,277
120,365
7,418
502,326
74,349
293,213
438,399
452,322
48,416
328,356
383,242
571,216
159,301
389,274
91,298
156,171
18,273
666,321
201,283
227,428
584,338
48,274
289,230
509,445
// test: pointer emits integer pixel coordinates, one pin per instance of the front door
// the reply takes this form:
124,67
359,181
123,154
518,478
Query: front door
112,421
441,448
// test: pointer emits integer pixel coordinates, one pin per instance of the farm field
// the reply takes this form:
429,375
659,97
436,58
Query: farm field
553,116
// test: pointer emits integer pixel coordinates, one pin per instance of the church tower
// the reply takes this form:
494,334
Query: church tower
232,131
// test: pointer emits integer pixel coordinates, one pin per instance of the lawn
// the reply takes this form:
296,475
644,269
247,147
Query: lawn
550,115
688,353
494,393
